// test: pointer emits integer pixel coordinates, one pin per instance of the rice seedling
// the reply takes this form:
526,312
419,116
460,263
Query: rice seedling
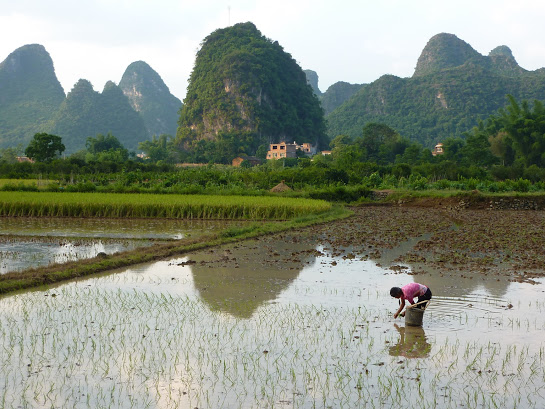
87,346
135,340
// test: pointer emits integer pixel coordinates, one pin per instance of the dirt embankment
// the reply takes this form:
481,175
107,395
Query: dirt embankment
470,200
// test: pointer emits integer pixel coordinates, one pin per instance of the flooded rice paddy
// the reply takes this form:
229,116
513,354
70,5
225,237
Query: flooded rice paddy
34,242
298,320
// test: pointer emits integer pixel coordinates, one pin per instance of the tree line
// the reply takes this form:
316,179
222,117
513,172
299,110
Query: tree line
504,152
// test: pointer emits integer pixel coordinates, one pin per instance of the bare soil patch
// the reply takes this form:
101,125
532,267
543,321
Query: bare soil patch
446,240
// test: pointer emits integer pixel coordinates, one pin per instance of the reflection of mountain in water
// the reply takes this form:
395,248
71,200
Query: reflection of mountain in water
442,282
412,343
238,279
458,286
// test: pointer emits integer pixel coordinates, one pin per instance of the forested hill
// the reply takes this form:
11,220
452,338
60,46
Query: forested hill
150,96
30,94
33,101
86,113
244,92
453,86
337,94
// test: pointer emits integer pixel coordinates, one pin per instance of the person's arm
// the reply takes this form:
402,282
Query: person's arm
401,306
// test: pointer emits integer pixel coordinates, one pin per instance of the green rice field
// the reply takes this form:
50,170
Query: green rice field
39,183
50,204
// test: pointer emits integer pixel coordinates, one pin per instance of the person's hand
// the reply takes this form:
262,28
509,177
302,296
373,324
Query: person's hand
395,315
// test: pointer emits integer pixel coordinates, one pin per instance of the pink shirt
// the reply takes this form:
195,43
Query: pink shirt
413,290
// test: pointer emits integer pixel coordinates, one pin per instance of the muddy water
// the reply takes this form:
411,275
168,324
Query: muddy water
280,322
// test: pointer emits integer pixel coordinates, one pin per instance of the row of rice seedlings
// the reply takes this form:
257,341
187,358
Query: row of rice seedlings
89,347
157,206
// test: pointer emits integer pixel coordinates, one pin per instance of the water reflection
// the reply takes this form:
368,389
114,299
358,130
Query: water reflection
237,280
17,255
455,284
412,343
33,242
463,284
112,228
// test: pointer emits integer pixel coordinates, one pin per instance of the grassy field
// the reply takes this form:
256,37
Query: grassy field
49,204
39,183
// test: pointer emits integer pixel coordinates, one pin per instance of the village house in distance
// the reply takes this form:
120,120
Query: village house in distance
437,150
289,150
280,151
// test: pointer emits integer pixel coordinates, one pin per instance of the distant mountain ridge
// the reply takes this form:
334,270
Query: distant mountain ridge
32,100
150,96
85,113
335,95
444,51
453,86
30,94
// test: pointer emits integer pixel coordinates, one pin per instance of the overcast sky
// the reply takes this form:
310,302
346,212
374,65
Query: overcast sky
352,41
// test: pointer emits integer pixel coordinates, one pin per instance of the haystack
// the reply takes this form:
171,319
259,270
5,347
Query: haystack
281,187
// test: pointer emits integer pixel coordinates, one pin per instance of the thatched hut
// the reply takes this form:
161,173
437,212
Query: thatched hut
281,187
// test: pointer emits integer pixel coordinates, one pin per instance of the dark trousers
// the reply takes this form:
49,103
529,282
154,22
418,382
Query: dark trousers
425,297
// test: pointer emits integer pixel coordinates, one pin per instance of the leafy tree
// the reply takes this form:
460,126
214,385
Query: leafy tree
411,155
106,149
339,141
347,156
261,151
452,148
476,150
44,147
373,136
526,128
9,155
158,148
103,143
501,146
401,170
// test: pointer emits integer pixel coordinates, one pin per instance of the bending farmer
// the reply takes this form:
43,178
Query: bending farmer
408,292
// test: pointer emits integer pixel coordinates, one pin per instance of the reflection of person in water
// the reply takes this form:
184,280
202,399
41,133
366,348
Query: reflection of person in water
408,292
412,343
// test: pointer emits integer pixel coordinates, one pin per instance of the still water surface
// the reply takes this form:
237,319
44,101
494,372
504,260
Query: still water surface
274,323
34,242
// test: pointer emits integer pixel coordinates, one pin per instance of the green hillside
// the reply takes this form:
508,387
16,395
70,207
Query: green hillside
452,88
337,94
246,91
30,94
149,96
85,113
